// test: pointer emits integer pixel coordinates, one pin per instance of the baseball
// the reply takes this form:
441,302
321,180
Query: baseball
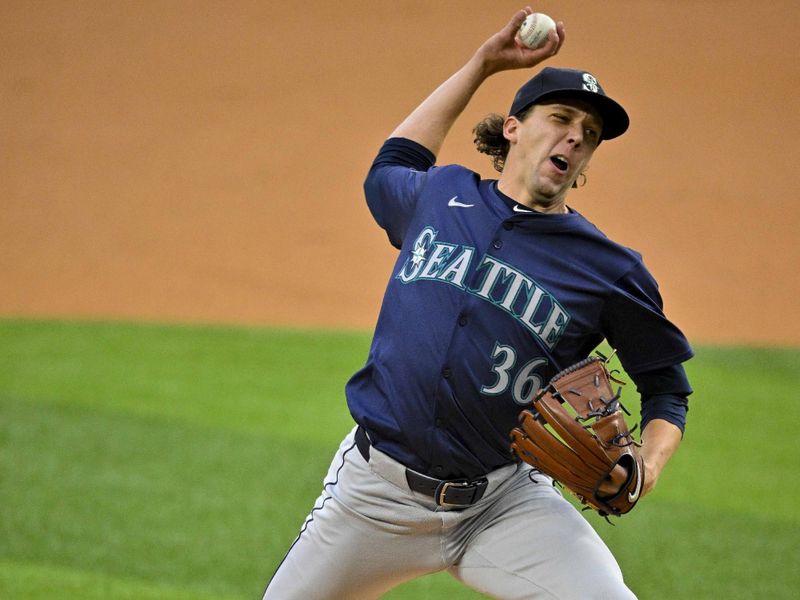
534,29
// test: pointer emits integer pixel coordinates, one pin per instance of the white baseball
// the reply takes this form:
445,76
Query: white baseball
534,29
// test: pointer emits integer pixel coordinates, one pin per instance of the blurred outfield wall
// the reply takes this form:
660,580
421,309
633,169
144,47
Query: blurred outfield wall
202,161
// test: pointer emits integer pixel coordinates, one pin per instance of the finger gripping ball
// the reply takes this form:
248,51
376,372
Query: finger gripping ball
535,28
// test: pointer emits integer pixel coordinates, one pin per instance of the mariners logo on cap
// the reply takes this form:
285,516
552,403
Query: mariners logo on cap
552,82
590,83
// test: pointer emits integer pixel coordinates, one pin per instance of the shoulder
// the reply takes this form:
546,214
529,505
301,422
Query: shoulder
453,179
590,229
604,250
455,172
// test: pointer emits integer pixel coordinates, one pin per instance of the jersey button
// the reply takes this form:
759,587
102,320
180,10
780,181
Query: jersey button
508,226
497,244
446,372
462,320
438,470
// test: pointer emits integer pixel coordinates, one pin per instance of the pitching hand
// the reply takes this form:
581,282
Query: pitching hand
505,51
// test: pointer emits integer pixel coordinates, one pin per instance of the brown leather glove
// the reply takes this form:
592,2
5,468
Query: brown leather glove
576,433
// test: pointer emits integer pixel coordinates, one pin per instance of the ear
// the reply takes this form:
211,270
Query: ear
511,129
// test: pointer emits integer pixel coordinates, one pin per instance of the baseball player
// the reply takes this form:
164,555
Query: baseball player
499,284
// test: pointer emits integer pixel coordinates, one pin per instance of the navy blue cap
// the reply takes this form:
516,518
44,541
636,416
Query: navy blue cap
552,82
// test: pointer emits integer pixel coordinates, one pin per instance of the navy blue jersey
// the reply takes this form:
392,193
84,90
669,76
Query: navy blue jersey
486,302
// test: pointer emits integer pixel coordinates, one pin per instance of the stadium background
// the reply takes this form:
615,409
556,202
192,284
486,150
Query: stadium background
202,161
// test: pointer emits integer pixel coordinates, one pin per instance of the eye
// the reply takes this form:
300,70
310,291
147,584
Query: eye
561,117
591,133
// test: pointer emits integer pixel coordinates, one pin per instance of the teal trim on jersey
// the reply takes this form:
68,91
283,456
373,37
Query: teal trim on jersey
531,293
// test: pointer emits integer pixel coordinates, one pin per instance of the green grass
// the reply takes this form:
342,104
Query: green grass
175,462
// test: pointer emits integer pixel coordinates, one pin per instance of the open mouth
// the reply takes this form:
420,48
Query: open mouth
560,162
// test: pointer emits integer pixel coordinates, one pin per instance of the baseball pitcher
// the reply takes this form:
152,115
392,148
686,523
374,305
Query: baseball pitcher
479,390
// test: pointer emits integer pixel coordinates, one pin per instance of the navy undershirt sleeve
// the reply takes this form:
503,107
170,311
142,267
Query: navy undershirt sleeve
404,153
664,394
668,407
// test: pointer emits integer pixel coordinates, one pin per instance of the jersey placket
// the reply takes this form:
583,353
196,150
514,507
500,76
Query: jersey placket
460,330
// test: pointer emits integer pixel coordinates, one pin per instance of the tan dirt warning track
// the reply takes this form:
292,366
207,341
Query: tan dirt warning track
202,161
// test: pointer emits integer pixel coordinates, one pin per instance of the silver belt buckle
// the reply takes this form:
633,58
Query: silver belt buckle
447,484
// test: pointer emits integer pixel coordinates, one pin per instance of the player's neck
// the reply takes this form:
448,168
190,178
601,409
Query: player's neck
520,194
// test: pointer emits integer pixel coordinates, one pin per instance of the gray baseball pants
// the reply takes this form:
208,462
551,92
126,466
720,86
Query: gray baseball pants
368,532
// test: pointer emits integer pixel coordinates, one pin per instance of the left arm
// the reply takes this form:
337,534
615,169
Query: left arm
663,417
660,440
665,403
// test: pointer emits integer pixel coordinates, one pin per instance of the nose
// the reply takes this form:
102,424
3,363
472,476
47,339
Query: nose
575,135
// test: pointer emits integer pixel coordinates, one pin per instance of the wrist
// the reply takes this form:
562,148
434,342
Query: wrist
481,66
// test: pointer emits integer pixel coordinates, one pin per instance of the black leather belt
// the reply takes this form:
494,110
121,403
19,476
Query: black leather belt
453,492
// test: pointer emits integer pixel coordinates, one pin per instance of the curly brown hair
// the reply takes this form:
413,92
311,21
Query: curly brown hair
489,138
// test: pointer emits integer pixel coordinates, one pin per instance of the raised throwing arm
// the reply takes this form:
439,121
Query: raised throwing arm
429,123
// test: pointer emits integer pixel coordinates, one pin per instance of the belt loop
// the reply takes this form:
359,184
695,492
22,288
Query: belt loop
362,442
